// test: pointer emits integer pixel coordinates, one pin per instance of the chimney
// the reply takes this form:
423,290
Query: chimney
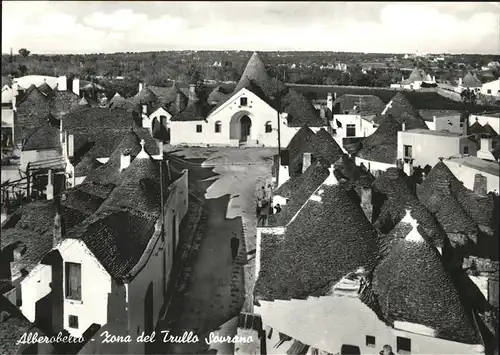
145,109
76,86
62,83
19,251
486,145
192,93
58,233
283,173
71,146
322,113
160,147
366,202
403,126
480,185
141,86
408,167
178,102
15,92
125,159
306,162
50,185
460,82
329,101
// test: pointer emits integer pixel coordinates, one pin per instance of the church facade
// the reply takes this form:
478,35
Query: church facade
253,115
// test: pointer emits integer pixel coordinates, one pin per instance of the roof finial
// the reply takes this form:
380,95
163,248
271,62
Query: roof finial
142,153
413,235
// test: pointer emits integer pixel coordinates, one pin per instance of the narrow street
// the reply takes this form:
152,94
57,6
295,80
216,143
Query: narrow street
212,293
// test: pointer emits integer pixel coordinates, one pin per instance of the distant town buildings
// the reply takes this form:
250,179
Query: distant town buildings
469,81
418,79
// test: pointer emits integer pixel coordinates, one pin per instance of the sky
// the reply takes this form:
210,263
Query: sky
49,27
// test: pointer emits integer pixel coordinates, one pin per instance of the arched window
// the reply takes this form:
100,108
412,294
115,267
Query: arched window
269,128
218,127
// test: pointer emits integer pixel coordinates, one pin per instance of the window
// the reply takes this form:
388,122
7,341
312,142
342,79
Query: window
243,101
407,151
73,281
73,321
370,341
403,345
218,127
351,130
269,128
488,91
466,150
198,128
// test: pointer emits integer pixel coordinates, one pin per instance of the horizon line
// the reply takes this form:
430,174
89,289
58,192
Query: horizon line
250,50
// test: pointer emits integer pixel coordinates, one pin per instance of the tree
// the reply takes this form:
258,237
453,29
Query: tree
24,52
23,69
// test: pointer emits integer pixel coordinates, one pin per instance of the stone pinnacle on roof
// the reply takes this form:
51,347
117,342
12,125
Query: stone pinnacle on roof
413,235
331,179
83,102
142,154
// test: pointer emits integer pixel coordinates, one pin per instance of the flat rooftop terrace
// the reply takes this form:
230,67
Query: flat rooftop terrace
432,132
489,167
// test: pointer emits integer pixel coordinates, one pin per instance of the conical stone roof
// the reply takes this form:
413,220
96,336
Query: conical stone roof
403,111
412,286
145,96
256,71
471,81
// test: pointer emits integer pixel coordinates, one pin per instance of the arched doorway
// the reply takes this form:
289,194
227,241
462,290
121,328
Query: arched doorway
246,125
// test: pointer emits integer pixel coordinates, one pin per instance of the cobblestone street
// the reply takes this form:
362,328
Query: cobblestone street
210,291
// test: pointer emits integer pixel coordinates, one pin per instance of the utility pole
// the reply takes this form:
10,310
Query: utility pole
11,63
278,112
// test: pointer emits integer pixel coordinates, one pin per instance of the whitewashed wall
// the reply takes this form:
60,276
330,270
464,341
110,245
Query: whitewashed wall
327,323
427,148
96,284
363,127
493,87
466,174
229,114
34,287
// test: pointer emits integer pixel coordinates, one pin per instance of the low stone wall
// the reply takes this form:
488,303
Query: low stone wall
455,96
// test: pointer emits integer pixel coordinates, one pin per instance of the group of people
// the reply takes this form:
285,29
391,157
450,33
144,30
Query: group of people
264,205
